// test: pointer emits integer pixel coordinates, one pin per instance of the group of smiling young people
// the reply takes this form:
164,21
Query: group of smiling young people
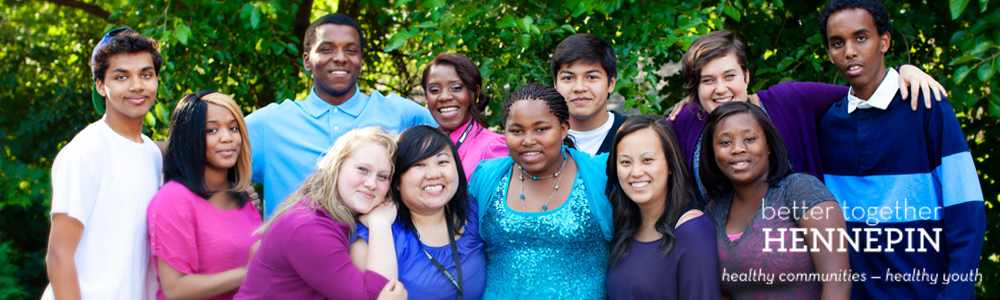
572,201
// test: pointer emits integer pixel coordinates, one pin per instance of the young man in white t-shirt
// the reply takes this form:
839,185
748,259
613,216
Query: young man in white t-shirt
103,180
584,68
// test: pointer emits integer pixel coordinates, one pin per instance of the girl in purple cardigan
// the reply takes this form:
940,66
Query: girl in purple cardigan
715,72
304,252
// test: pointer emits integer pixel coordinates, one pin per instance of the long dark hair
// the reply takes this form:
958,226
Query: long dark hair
471,78
716,182
185,161
680,196
415,145
553,99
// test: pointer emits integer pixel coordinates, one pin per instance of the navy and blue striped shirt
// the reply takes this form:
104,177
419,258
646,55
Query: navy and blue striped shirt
907,174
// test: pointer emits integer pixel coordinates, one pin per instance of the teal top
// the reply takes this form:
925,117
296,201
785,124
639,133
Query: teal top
591,169
557,254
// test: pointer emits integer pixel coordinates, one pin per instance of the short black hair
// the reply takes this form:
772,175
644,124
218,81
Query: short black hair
553,99
585,48
874,8
125,42
716,182
416,144
336,18
184,161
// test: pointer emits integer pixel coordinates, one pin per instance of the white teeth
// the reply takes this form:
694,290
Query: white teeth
740,164
723,100
531,153
639,185
448,109
339,72
433,188
852,68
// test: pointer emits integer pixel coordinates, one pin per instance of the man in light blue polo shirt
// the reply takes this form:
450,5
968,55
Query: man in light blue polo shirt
288,139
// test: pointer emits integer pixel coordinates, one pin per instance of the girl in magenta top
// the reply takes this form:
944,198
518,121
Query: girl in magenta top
304,252
200,224
453,88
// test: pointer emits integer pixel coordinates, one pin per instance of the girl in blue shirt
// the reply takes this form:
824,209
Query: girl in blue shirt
438,249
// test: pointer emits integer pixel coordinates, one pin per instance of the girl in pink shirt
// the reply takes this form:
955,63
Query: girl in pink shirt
200,224
454,91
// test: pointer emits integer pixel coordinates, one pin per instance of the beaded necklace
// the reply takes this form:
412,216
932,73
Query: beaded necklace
545,206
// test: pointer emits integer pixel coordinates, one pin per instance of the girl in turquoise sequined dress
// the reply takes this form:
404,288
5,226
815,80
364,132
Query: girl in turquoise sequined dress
544,217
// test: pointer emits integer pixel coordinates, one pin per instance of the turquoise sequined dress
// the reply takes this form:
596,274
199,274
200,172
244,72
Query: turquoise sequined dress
558,254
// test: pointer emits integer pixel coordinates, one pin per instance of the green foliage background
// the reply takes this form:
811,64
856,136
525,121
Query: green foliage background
252,50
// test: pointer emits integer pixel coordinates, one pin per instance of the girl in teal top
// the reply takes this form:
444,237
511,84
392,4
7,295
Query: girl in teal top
544,217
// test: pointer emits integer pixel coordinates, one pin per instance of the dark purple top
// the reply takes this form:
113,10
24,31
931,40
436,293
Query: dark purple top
794,107
689,271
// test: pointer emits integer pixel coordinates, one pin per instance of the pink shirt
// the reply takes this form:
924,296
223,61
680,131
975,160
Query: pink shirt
305,255
480,144
195,237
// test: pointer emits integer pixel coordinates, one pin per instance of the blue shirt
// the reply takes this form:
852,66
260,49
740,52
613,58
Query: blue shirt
419,275
288,139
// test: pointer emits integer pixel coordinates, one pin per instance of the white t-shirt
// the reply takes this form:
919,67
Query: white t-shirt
590,141
106,181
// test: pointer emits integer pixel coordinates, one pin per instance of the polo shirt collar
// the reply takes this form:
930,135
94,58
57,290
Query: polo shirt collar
316,106
883,95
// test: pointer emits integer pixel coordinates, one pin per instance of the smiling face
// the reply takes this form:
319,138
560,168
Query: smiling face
722,80
335,62
129,86
222,138
585,87
429,184
643,172
448,98
534,136
363,179
741,149
857,49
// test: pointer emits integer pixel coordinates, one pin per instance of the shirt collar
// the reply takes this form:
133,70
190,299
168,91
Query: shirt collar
883,95
316,106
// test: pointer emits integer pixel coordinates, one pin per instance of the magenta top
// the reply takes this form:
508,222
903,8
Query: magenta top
794,107
195,237
480,144
305,255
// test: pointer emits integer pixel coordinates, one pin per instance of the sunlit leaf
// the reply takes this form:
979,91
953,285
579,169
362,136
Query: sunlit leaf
957,6
255,17
182,32
961,73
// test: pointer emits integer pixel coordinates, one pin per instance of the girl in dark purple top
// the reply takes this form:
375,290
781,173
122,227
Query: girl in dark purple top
747,175
715,72
662,247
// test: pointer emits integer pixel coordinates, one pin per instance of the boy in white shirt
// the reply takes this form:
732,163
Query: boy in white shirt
103,180
584,68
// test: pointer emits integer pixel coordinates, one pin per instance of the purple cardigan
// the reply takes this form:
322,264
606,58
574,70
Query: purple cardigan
305,255
794,107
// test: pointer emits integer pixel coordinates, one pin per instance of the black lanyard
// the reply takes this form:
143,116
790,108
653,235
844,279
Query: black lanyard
454,249
461,139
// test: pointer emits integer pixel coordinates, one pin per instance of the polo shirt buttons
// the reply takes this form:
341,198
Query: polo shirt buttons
336,127
335,110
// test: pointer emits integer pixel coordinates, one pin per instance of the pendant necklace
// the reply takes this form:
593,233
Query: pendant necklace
545,206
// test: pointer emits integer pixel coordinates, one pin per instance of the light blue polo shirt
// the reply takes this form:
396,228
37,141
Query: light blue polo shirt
288,139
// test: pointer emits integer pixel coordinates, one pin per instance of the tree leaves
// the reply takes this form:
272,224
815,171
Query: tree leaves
957,6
